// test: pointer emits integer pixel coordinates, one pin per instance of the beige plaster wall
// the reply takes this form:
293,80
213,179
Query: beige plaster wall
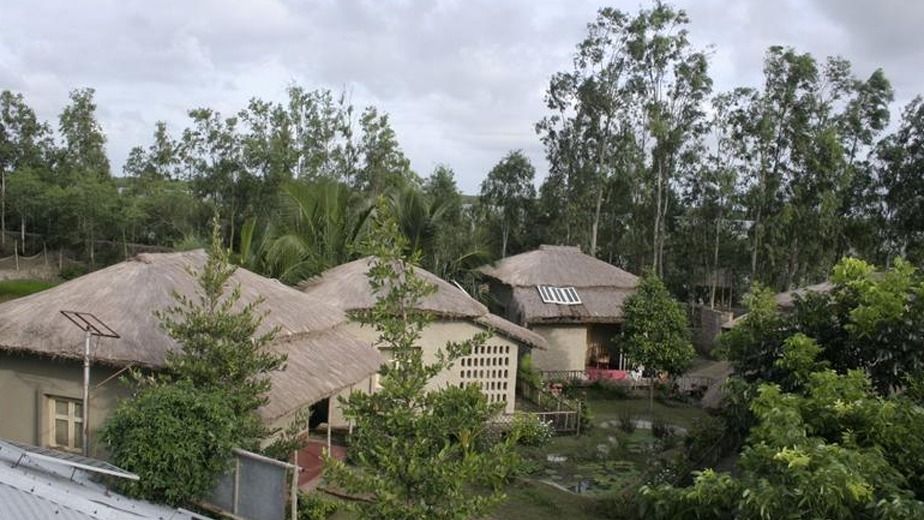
567,348
494,369
26,382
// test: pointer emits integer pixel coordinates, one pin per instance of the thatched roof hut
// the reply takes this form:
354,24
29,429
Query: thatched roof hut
322,358
347,287
601,288
786,301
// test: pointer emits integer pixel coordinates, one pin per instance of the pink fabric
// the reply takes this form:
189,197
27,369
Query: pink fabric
604,374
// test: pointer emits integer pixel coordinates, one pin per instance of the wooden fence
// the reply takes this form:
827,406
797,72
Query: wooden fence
564,415
564,376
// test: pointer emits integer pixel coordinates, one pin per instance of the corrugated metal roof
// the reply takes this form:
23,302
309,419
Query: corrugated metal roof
34,488
16,503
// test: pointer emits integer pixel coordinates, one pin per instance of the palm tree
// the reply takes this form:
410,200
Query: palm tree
318,225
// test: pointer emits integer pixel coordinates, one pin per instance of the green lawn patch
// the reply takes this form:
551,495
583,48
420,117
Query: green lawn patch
538,501
671,412
599,462
10,289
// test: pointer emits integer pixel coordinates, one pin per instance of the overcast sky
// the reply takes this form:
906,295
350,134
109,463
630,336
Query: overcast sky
463,81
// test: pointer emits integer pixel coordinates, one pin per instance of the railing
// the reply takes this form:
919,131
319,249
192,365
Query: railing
564,376
562,414
690,383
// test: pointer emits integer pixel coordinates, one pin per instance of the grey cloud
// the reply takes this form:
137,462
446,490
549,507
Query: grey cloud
462,80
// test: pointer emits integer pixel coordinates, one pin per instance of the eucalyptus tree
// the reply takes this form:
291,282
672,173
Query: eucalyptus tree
268,149
709,196
459,244
211,159
25,142
157,206
801,135
636,83
382,164
90,197
158,162
84,151
323,134
506,195
899,163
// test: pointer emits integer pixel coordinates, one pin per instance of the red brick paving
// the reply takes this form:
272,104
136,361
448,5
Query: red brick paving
311,462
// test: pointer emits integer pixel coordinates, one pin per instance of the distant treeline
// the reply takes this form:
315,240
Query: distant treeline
649,168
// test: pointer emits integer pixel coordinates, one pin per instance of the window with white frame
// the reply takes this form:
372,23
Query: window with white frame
559,295
66,423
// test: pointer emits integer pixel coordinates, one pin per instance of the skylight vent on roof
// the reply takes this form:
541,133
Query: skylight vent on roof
559,295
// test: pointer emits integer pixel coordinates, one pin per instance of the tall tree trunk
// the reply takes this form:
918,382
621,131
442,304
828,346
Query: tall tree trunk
715,262
2,208
92,249
505,231
758,225
595,226
792,266
22,234
657,220
662,235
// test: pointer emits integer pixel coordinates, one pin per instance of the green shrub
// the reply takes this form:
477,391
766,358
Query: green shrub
177,438
626,421
705,441
660,429
69,272
530,430
586,415
527,374
611,389
312,506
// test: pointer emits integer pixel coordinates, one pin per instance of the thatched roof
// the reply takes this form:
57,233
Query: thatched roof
787,300
564,266
347,287
319,365
602,287
126,295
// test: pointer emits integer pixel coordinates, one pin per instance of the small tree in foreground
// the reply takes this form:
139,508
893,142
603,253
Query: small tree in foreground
176,437
178,430
223,346
417,453
839,452
656,332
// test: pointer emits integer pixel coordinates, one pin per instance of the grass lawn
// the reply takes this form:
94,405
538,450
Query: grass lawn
537,501
10,289
679,414
606,458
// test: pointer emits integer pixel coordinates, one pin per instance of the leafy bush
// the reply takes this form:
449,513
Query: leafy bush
661,429
626,421
586,415
527,374
177,438
69,272
705,441
312,506
530,430
610,389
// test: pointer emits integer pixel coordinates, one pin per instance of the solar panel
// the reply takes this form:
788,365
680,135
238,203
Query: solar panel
71,460
559,295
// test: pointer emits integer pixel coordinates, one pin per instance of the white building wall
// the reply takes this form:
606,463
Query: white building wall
493,367
567,347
